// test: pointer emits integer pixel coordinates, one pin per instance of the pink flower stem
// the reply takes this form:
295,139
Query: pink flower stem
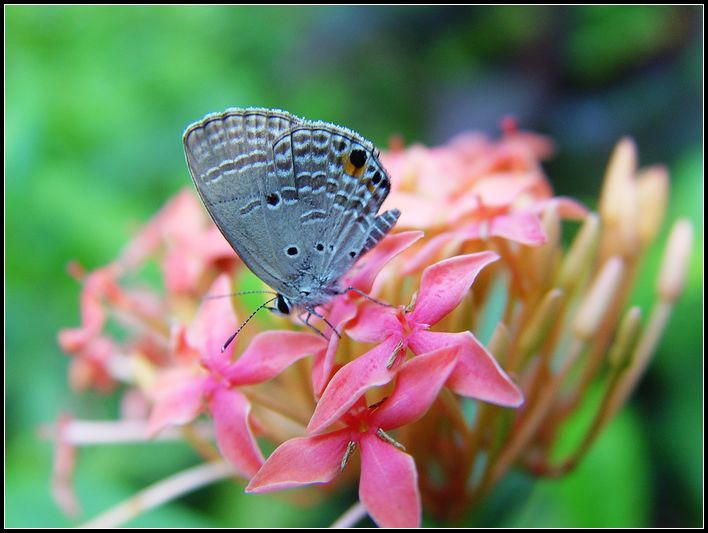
269,402
161,492
512,263
529,424
350,517
619,389
92,432
597,356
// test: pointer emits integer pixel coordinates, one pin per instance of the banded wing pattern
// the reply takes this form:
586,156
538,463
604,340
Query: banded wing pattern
296,199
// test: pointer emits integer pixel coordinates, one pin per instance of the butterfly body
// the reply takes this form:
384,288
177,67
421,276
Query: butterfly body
298,200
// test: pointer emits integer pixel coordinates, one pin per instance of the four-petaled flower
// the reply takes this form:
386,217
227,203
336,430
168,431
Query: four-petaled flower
388,485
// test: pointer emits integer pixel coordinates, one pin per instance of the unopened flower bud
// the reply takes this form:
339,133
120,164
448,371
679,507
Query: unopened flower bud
653,193
545,316
676,260
581,252
619,207
598,299
626,338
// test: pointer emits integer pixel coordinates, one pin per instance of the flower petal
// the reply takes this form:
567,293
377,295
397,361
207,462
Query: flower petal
270,353
444,284
93,365
431,251
178,399
351,382
523,227
237,444
476,374
374,323
568,208
214,324
99,285
388,486
343,310
322,365
376,259
302,461
417,385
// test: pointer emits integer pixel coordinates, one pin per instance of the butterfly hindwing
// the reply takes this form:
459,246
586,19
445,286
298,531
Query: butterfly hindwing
340,188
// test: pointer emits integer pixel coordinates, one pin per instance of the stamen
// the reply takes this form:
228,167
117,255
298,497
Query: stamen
380,433
394,354
347,455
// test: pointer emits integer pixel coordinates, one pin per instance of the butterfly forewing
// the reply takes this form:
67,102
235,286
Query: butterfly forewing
231,161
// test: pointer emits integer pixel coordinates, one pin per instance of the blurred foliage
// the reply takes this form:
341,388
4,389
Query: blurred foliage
97,99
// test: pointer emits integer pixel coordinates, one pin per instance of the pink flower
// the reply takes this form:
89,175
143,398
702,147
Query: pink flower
388,485
495,207
424,179
189,244
93,351
443,286
181,392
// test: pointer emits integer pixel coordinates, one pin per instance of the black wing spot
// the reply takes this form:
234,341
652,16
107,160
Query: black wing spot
319,246
273,199
377,178
292,251
352,254
358,158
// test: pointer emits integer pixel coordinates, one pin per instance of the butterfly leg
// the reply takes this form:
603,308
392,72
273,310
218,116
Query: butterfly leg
306,322
311,311
362,293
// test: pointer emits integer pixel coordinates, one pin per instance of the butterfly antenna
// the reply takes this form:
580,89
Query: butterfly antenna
240,293
232,337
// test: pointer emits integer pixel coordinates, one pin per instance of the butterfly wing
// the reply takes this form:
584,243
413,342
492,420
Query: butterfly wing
230,158
296,199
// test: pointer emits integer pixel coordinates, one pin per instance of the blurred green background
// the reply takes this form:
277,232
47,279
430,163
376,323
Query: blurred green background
97,99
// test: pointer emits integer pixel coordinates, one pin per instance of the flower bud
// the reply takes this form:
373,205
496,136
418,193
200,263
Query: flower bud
626,338
676,260
652,195
581,252
598,299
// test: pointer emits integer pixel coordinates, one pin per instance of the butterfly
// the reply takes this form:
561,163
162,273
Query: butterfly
297,200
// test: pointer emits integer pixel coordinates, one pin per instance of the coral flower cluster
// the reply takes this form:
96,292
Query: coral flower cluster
471,338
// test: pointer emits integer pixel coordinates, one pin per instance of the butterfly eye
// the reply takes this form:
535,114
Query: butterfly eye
282,305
